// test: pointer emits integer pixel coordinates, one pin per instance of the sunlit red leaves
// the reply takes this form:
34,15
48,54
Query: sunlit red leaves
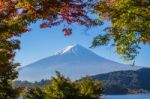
43,25
81,22
26,30
1,3
67,31
53,12
25,10
67,12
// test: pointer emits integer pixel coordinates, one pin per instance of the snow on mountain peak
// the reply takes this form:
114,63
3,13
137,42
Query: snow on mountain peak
74,61
68,48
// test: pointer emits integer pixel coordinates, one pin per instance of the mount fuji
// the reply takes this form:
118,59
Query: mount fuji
74,61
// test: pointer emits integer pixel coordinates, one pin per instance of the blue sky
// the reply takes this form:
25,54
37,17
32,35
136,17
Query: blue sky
40,43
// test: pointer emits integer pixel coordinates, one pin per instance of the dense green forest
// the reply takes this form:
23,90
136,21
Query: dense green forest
129,79
120,82
133,81
60,87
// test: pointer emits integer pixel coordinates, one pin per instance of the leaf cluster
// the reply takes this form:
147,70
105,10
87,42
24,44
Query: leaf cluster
63,88
130,25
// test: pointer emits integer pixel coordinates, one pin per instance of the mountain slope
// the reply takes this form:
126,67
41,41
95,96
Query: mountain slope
134,80
74,61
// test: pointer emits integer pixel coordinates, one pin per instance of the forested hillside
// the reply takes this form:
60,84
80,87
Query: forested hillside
120,82
129,79
123,82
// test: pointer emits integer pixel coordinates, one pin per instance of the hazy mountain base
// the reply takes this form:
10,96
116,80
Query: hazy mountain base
120,82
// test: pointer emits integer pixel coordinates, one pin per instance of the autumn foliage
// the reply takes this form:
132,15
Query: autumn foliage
130,27
16,15
15,19
130,21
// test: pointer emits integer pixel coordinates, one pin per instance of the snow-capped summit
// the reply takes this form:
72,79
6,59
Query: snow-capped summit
68,48
76,50
74,61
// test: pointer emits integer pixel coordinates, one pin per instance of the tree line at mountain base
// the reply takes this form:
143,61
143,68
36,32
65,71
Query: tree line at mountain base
60,87
120,82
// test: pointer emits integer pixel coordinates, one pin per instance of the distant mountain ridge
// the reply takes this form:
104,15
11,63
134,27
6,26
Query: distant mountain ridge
136,81
74,61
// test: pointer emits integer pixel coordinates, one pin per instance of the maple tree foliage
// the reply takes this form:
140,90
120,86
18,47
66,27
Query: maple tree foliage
130,26
130,21
17,15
